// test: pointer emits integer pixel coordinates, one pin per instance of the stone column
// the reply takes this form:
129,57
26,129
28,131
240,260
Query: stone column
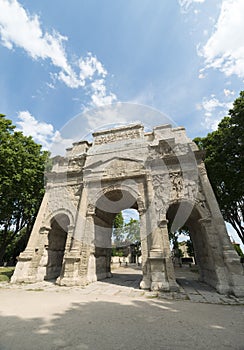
217,218
146,279
69,239
80,221
68,266
40,259
169,268
89,237
157,260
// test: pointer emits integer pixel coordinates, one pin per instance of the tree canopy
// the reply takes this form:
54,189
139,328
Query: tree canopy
225,164
125,232
22,165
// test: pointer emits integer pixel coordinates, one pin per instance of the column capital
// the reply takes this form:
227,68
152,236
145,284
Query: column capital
90,210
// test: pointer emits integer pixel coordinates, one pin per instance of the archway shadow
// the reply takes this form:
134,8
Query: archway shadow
126,276
188,279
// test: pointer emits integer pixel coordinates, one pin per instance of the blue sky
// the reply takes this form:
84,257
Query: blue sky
58,59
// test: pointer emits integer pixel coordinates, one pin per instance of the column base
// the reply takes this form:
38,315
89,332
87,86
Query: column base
157,271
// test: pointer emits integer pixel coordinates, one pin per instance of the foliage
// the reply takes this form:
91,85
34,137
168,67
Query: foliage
174,236
118,228
17,245
118,220
190,249
238,249
132,231
22,164
125,232
117,252
225,164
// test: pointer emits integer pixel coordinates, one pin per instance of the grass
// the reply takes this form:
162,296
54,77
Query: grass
6,273
35,290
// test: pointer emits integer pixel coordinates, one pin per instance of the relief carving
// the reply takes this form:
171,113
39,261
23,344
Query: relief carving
161,190
181,148
177,184
111,188
191,188
120,168
90,209
117,136
76,164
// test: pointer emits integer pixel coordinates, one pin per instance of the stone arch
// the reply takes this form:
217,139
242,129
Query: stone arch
206,243
56,239
60,212
119,186
129,167
111,201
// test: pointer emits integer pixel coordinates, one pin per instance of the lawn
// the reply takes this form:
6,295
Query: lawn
6,273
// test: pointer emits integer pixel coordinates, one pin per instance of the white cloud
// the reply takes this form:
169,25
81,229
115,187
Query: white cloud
41,132
186,4
224,50
59,144
99,94
214,111
228,92
20,29
89,66
201,75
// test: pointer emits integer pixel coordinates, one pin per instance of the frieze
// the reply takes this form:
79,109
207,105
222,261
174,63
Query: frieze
117,136
120,168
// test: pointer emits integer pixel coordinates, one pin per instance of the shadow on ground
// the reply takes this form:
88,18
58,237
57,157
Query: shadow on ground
119,324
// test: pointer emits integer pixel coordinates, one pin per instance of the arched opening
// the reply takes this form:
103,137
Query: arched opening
56,246
108,207
126,240
202,266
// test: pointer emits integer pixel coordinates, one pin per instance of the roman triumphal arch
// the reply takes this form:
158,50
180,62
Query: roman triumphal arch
159,173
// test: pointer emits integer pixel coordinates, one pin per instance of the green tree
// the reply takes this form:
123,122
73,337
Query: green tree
118,228
22,164
190,248
132,231
238,249
225,164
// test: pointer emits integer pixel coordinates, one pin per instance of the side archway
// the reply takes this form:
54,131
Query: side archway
206,254
57,237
